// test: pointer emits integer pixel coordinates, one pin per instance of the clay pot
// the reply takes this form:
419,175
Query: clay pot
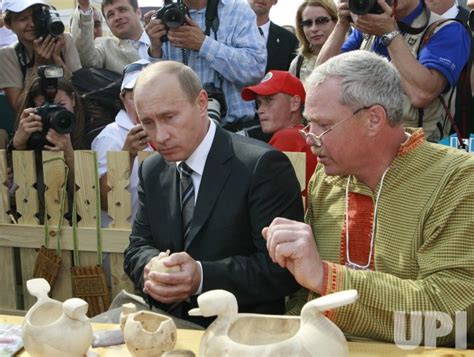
51,328
234,334
147,333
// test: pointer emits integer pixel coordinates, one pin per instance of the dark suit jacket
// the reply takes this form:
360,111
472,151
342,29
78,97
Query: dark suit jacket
245,185
281,48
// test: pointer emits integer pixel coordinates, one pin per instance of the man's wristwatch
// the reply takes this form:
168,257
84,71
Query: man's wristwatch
388,37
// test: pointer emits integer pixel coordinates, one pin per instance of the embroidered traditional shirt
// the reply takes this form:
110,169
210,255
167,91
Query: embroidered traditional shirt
424,247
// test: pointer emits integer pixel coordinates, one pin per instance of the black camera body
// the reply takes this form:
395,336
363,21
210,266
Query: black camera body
172,15
362,7
53,116
47,22
216,105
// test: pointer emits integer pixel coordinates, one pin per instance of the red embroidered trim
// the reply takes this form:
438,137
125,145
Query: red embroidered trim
416,139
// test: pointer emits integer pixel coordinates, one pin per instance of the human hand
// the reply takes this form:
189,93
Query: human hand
84,5
291,245
59,142
376,24
59,44
169,288
44,49
136,140
155,30
189,36
343,13
29,123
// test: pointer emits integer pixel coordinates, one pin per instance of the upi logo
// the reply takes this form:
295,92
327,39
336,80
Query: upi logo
436,324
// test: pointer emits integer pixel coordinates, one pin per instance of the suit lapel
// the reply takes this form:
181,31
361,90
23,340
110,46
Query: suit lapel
216,172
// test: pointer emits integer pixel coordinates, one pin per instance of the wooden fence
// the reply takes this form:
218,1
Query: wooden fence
21,238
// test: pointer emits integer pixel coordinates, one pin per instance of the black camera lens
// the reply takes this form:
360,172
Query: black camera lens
173,18
56,28
362,7
62,120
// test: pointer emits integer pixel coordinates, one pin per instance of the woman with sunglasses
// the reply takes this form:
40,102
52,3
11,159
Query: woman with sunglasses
315,20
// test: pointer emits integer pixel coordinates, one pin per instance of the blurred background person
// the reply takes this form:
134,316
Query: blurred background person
124,134
7,37
315,20
29,123
281,44
19,62
280,98
97,24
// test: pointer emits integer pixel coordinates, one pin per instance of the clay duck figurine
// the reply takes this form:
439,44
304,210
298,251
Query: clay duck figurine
52,328
234,334
146,333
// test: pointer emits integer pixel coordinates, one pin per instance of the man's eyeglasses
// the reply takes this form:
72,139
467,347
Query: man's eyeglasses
316,139
320,20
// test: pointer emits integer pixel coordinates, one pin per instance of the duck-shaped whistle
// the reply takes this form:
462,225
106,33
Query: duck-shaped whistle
52,328
234,334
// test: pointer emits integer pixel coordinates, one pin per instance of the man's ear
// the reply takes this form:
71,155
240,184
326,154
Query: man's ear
377,117
202,102
295,103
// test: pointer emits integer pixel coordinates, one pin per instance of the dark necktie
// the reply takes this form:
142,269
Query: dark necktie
261,31
187,197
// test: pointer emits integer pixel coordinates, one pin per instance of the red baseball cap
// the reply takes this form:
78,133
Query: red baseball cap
275,82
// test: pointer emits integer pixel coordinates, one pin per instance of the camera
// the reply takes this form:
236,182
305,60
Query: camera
172,15
216,105
52,115
362,7
47,22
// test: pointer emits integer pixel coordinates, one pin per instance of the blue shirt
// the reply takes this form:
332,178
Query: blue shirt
238,55
447,51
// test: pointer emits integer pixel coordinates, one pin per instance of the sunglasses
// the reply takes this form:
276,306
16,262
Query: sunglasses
320,20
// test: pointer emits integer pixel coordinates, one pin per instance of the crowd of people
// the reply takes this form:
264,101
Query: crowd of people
220,92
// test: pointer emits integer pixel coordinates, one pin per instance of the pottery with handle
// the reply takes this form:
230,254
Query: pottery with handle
52,328
234,334
147,333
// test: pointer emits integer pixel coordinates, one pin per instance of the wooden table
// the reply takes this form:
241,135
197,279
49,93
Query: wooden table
189,339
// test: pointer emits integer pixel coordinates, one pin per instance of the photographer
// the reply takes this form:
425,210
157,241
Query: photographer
427,70
29,123
226,58
39,44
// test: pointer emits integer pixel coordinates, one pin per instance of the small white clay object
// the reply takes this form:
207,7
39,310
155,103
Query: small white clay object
157,264
146,333
51,328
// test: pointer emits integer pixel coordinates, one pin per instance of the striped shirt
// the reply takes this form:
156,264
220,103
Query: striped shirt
424,247
238,55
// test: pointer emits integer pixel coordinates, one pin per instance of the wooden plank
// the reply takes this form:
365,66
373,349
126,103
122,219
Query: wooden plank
298,160
86,198
120,279
120,207
55,178
24,168
4,194
30,236
7,276
118,179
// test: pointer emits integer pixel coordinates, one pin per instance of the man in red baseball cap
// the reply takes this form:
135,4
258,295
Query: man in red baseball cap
280,99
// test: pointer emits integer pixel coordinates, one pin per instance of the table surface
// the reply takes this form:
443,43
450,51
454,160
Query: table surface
189,339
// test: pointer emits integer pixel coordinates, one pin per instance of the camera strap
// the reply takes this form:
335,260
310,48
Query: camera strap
415,30
212,18
22,56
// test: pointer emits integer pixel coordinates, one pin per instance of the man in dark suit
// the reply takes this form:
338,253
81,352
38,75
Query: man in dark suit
236,186
281,43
